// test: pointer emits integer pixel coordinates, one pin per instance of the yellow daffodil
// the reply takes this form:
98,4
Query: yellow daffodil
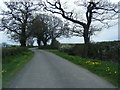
3,71
87,62
109,72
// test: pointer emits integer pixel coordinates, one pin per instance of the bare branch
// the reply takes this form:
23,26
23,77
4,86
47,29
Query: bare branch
58,6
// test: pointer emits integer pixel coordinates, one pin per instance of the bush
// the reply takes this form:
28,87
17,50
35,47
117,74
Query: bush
53,45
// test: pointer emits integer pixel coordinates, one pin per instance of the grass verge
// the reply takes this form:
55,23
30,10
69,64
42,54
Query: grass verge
9,70
106,69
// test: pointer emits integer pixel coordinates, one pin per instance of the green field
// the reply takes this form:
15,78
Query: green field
105,69
12,64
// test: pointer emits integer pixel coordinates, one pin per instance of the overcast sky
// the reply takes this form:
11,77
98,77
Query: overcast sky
109,34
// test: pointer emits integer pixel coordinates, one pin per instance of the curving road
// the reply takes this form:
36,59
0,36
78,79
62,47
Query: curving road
47,70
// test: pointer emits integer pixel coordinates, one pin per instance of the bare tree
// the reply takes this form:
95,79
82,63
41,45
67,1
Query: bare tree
54,28
99,11
38,29
45,19
16,19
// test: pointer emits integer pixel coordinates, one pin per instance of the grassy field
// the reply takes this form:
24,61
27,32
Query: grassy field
12,64
105,69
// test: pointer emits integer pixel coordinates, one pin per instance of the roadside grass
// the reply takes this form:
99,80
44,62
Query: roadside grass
105,69
16,62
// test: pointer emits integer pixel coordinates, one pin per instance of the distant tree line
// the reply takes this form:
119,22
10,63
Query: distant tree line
47,28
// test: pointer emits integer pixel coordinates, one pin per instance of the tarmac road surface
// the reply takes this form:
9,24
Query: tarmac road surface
47,70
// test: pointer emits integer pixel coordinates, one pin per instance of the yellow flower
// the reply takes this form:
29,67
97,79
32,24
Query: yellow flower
87,62
3,71
109,72
97,63
115,72
92,63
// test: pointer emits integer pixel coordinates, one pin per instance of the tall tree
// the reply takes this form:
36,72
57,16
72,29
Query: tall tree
52,27
44,19
38,29
99,11
56,28
16,18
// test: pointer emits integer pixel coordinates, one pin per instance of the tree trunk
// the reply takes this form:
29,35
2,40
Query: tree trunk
23,36
86,35
23,42
86,41
45,43
38,42
53,41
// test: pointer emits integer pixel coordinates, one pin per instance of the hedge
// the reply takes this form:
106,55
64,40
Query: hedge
109,51
12,51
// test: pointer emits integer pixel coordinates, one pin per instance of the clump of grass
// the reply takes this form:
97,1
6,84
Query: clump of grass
106,69
12,64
